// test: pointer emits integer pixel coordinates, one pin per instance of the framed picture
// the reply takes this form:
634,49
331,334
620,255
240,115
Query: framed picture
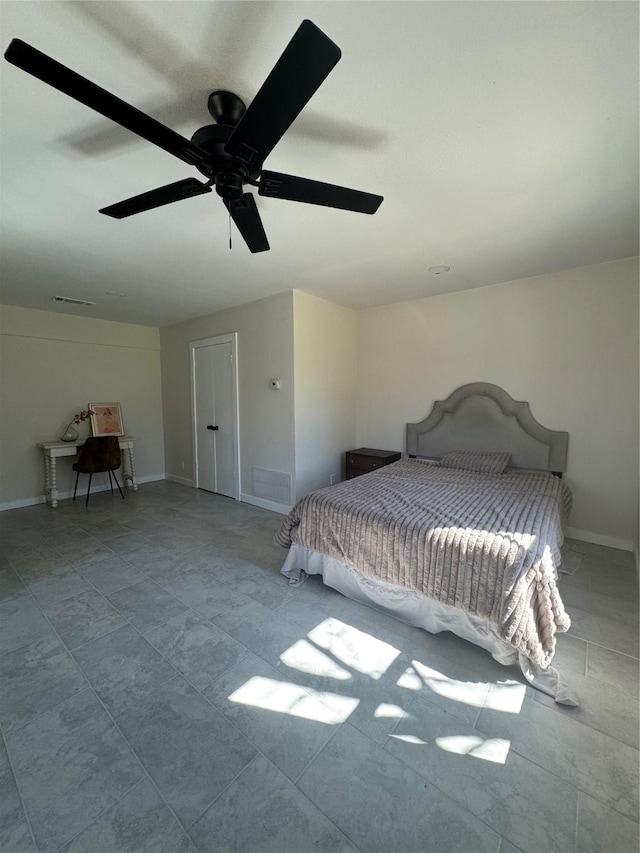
106,419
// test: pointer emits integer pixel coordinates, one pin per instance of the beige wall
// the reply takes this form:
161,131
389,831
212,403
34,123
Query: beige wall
265,351
566,342
51,366
325,362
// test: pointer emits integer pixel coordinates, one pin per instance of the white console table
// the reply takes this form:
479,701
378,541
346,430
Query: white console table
51,450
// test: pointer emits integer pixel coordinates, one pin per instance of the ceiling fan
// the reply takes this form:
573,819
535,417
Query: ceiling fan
231,152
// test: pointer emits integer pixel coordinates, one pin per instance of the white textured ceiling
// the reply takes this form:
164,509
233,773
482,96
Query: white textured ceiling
503,136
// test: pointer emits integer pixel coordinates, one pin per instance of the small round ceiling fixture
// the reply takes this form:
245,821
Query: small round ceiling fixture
438,270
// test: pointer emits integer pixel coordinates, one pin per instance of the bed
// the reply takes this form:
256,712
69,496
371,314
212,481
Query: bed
463,535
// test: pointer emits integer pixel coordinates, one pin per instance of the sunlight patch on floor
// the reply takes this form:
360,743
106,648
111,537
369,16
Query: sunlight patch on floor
492,749
495,750
417,741
392,712
305,657
418,676
286,698
506,696
355,648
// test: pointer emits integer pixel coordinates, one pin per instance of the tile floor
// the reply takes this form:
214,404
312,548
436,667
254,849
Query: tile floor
164,689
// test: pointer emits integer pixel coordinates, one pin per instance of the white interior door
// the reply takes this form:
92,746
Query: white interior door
215,417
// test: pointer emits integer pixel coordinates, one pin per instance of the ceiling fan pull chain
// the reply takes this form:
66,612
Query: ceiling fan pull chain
230,229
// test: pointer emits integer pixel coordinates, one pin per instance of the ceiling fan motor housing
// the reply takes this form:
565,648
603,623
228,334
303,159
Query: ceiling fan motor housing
229,185
212,138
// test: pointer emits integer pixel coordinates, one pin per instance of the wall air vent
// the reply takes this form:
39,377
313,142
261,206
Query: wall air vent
72,301
272,485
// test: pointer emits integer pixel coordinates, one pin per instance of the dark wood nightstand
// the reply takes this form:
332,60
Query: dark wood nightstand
367,459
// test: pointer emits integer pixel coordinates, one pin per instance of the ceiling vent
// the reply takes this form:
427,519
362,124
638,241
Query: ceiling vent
72,301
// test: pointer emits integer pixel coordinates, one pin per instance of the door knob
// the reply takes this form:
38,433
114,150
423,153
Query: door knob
210,426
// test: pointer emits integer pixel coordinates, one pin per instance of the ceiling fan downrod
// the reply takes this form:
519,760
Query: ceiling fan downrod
226,107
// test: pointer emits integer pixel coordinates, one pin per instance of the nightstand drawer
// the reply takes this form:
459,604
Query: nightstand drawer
367,459
352,472
367,463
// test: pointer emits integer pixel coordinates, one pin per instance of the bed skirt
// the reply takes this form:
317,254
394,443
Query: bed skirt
414,609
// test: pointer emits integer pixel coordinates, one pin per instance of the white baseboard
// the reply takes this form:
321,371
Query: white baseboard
151,478
183,481
40,499
6,505
265,504
599,539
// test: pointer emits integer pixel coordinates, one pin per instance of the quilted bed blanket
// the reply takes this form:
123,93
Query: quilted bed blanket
486,543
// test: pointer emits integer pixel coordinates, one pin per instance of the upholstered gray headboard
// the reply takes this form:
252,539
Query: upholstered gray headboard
481,416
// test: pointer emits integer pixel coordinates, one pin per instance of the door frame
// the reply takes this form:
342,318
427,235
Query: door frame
231,338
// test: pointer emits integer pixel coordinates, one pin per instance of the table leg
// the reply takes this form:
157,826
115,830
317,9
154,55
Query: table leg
53,481
130,475
47,478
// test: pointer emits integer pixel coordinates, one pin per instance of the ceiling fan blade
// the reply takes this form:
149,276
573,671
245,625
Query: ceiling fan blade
67,81
156,198
305,63
276,185
244,213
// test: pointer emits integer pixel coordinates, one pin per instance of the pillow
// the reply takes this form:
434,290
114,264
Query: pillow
471,460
